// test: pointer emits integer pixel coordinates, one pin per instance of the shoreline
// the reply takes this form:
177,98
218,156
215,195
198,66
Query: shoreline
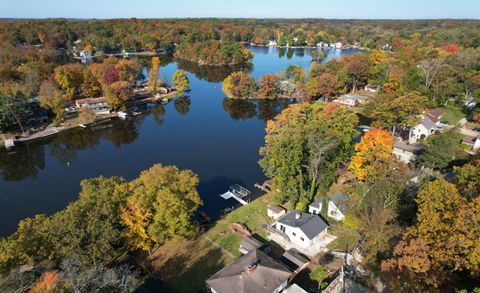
51,130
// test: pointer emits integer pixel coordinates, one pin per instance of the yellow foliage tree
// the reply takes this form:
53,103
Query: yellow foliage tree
136,221
374,154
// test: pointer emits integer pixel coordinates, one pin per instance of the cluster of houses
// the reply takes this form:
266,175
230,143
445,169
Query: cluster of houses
430,123
301,234
337,45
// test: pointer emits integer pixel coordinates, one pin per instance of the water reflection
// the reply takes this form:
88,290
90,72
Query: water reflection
22,162
182,105
240,109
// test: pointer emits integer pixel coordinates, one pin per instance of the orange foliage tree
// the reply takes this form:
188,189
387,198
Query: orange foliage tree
374,154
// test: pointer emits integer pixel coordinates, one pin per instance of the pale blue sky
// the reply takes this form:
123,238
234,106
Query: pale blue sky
396,9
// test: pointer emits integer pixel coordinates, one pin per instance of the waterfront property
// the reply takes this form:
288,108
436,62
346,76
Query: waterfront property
255,272
97,105
303,231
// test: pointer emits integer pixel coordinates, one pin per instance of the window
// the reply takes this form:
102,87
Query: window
294,234
301,238
282,228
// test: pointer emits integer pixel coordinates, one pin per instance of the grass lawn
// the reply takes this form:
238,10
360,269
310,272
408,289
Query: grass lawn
185,265
452,114
345,237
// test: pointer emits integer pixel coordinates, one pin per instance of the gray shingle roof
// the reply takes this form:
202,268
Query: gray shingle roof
316,204
340,200
311,225
253,272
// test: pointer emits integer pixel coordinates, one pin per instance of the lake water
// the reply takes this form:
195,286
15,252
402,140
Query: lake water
217,138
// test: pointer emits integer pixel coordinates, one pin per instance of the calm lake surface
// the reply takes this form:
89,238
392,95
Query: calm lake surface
217,138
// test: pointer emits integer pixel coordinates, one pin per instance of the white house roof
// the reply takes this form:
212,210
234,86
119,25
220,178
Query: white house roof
311,225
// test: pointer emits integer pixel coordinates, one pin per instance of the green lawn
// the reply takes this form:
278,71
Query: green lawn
345,237
185,265
452,114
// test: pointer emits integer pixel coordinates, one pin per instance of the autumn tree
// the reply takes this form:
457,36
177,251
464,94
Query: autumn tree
396,112
357,69
51,97
128,70
117,94
167,200
180,81
239,85
268,86
296,74
442,243
90,86
153,79
325,85
468,179
69,77
373,154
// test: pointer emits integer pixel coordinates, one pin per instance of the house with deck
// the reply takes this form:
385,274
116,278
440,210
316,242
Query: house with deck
302,229
254,272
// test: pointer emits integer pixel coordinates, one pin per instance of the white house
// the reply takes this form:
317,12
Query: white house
429,124
406,153
336,206
352,100
371,88
272,43
97,105
302,229
320,44
275,211
86,56
338,45
473,142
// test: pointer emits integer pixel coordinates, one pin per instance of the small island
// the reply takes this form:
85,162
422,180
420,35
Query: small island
213,53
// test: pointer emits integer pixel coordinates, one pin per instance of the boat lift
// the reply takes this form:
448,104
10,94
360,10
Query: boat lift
236,192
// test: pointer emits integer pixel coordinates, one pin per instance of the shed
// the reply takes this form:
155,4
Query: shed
276,211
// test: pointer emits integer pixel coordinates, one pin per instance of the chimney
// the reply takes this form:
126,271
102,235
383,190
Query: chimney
252,267
298,215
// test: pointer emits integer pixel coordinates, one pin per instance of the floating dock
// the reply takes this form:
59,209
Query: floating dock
236,192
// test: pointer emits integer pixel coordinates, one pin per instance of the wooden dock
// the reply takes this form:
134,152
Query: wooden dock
236,192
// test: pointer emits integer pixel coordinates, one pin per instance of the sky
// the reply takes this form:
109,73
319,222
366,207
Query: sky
370,9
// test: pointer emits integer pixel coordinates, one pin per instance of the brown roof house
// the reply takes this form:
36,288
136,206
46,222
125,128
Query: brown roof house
254,272
275,211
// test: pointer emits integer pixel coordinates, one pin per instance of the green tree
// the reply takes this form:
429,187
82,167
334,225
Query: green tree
180,80
439,150
319,274
303,147
468,179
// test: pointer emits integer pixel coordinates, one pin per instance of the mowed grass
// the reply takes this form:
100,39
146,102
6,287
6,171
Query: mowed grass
186,265
346,238
252,215
452,114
